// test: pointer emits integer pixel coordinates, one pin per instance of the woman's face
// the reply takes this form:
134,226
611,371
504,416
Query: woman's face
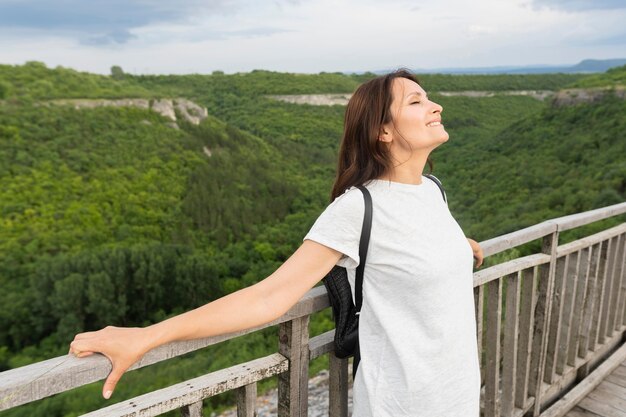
415,119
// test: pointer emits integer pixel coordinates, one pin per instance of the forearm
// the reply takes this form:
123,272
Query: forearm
240,310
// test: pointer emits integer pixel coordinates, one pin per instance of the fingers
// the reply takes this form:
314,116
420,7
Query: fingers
85,335
479,261
111,381
121,346
80,349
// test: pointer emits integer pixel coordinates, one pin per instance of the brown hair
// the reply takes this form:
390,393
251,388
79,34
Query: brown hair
362,157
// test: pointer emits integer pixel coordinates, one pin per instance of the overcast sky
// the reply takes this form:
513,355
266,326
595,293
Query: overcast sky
185,36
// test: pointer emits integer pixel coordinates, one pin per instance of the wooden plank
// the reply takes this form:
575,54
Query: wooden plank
192,410
479,297
579,219
509,354
492,366
620,371
509,267
615,261
582,389
616,285
581,412
621,310
293,385
542,315
608,398
617,380
585,343
571,283
600,407
600,285
246,400
338,387
519,237
590,240
579,302
612,388
195,390
527,312
555,320
322,344
604,317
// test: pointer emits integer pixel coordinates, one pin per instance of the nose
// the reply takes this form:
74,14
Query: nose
438,107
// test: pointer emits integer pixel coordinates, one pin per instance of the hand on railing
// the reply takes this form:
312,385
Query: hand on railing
478,252
123,346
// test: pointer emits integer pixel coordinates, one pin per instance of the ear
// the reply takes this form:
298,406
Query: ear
385,134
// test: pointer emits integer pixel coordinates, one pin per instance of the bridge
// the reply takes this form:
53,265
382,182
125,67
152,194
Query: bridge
551,331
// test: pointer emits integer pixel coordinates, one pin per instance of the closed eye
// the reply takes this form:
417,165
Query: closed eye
415,102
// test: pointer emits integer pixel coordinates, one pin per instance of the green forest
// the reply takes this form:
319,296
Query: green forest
112,216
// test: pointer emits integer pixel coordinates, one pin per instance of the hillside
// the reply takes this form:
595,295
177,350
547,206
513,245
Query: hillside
112,216
612,78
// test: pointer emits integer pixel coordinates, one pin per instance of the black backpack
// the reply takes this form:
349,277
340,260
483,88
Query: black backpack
345,313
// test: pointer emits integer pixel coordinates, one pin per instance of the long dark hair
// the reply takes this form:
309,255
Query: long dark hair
362,157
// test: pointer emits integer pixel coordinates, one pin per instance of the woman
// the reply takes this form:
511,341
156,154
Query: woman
417,324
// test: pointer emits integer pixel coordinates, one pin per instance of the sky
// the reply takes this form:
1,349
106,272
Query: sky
194,36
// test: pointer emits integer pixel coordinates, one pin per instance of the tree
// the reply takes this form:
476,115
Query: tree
117,73
4,90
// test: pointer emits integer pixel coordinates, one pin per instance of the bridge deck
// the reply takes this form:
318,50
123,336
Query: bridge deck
608,399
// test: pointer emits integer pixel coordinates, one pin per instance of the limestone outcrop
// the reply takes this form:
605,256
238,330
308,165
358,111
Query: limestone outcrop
566,97
572,96
187,109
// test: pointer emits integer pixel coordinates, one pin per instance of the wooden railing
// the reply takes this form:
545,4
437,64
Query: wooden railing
563,313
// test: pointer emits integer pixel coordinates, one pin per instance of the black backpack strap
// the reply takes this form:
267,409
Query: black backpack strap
363,244
436,180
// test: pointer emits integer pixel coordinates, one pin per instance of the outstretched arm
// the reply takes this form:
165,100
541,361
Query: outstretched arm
249,307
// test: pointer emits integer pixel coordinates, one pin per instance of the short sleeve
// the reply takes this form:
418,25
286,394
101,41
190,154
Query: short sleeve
339,226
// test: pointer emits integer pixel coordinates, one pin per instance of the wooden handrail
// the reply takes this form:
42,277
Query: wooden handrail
595,262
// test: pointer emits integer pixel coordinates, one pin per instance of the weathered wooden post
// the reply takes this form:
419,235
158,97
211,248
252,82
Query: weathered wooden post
527,312
511,327
492,366
542,318
192,410
246,400
293,385
338,386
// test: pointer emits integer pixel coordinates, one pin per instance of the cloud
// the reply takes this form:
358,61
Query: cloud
109,22
579,5
481,30
187,36
119,36
617,39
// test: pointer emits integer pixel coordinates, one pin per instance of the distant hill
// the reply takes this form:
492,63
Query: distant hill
585,66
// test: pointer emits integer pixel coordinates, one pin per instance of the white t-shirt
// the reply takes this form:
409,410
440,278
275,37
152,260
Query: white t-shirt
417,328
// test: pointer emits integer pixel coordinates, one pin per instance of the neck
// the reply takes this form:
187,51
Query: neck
409,172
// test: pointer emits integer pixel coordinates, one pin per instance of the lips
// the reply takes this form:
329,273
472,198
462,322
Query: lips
433,124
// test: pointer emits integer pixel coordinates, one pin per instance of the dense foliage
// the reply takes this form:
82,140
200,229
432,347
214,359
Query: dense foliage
111,216
614,77
34,80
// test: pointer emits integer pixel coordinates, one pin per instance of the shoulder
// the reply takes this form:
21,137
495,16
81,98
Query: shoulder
348,205
433,178
438,185
351,194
